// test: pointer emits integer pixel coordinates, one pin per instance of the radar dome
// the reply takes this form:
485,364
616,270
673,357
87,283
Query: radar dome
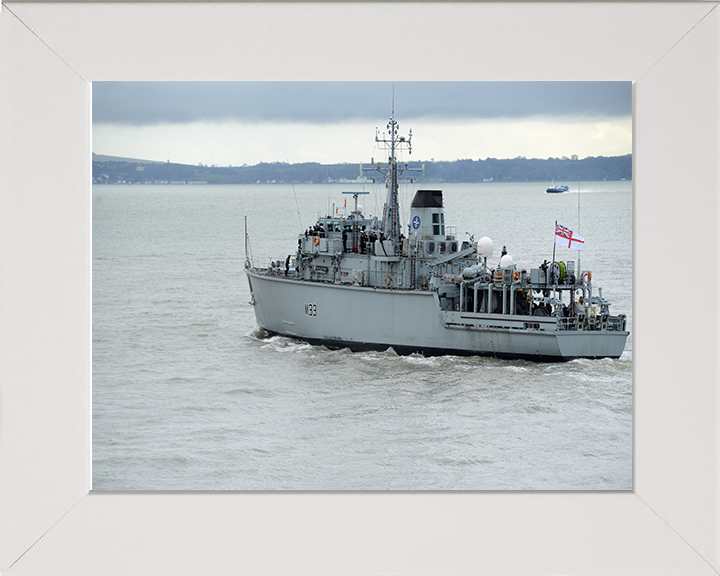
506,261
485,247
360,208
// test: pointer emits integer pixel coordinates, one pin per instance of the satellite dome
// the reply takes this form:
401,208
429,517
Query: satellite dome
485,247
359,208
506,261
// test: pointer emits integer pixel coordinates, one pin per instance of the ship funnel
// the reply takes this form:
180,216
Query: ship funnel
427,217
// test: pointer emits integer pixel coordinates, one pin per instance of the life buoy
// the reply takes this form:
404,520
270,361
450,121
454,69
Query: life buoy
587,276
316,241
388,281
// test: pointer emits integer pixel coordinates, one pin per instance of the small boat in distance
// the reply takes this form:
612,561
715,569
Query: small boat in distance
555,189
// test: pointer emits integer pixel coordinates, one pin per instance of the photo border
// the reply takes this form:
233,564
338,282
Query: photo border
49,521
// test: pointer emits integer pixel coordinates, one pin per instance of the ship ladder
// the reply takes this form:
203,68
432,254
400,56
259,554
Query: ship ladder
412,273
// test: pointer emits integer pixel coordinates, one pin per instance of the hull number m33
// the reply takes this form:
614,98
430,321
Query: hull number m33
310,309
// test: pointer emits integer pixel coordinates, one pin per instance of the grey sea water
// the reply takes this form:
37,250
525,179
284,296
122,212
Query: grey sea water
189,394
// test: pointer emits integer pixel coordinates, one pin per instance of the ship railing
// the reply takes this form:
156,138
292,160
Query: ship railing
600,322
616,323
568,323
277,268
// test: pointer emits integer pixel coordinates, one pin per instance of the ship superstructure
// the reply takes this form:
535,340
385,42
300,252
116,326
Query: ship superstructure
361,282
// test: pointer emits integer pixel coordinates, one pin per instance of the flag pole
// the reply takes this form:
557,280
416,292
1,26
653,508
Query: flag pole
579,270
554,242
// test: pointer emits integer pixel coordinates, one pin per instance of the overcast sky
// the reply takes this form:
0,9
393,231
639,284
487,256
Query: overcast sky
235,123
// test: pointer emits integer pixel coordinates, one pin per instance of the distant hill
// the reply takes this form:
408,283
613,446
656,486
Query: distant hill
115,170
103,158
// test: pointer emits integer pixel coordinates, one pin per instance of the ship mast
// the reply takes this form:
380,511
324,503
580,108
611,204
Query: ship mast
392,142
391,217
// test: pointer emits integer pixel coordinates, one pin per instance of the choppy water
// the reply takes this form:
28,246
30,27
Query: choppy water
189,394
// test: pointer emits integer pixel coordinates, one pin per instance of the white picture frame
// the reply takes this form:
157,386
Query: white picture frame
51,522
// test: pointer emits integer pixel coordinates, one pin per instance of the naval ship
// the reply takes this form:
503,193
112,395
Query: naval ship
359,282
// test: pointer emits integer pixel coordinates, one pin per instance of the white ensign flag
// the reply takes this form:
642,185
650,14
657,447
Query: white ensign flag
564,237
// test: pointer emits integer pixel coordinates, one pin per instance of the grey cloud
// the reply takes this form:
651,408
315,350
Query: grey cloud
147,103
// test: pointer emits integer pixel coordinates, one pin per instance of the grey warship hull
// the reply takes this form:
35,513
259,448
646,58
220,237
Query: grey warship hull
411,321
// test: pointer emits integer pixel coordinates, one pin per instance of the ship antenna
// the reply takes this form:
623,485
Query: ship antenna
297,205
247,258
292,181
578,202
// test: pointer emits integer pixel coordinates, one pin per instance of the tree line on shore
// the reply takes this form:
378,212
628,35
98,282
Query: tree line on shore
520,169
